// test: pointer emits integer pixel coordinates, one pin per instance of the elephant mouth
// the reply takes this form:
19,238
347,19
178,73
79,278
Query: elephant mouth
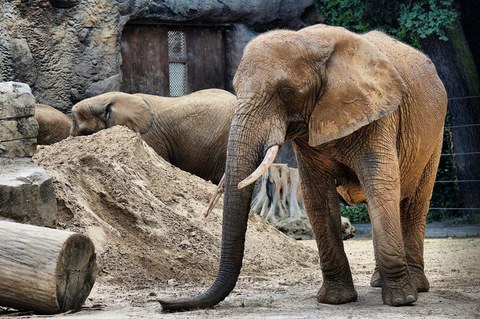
297,128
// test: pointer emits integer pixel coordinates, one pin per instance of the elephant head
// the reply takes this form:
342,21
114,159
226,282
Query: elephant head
315,86
109,109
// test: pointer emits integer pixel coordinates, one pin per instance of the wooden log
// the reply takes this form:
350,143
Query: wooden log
44,270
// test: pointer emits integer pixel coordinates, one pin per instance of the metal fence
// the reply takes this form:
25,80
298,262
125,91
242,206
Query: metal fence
457,188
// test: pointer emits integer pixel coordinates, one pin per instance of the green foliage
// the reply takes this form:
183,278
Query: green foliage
407,20
356,214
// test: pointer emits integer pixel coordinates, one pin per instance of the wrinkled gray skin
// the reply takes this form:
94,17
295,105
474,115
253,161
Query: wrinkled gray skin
53,125
191,131
364,112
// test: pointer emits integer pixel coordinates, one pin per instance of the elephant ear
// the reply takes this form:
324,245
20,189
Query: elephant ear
129,110
362,86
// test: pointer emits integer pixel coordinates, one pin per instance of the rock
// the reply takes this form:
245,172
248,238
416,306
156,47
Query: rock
64,4
24,127
18,106
23,61
18,148
53,47
26,193
112,83
18,127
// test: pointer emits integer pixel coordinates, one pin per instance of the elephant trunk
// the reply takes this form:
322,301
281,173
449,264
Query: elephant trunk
246,148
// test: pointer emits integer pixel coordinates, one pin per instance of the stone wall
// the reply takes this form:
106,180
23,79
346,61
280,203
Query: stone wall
26,190
18,127
68,50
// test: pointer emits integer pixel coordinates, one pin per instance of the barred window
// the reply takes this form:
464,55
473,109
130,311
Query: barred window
177,67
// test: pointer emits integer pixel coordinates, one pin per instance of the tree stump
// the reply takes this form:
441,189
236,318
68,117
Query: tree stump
280,201
44,270
279,194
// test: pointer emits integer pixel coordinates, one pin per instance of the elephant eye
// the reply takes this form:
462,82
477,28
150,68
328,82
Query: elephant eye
108,109
285,93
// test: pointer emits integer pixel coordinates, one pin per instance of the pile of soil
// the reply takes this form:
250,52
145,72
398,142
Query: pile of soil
145,216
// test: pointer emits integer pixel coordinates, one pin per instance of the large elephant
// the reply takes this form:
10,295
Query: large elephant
365,112
53,125
191,131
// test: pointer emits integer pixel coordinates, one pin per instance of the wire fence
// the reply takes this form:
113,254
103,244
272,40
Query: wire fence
457,189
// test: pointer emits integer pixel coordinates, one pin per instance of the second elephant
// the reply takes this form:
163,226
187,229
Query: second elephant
53,125
191,131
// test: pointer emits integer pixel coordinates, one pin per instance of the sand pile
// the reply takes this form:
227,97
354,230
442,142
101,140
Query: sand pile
145,216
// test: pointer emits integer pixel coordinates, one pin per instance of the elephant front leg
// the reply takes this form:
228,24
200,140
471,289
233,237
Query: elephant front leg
381,183
323,210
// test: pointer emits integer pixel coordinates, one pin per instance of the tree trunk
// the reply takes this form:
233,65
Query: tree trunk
279,194
44,270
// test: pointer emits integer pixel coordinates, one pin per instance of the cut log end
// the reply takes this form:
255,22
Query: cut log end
75,273
45,270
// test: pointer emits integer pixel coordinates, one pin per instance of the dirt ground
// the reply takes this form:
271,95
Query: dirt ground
146,220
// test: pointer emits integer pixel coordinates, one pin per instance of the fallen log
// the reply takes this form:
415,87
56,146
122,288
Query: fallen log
44,270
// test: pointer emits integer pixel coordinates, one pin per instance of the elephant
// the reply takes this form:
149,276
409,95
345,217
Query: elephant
53,125
190,132
363,112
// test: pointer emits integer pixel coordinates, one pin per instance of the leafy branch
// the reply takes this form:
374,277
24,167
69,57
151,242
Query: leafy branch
407,20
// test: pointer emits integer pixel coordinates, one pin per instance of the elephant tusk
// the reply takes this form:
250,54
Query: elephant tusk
262,168
215,196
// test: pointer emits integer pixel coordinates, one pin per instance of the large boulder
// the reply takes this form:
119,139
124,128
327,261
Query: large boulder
18,127
26,193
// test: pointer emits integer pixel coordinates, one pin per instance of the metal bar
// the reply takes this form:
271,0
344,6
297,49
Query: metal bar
465,153
462,126
460,181
453,208
464,97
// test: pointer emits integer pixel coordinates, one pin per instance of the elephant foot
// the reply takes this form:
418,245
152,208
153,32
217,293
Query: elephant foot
376,280
399,291
335,293
419,279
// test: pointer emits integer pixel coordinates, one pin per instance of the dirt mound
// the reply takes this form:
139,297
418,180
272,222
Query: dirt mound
145,216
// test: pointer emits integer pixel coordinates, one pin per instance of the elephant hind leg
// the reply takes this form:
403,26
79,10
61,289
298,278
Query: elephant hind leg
376,279
381,183
414,212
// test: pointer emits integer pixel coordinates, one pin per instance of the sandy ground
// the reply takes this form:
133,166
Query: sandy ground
451,266
146,220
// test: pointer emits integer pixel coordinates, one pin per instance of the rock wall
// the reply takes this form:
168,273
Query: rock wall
18,127
67,50
26,190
